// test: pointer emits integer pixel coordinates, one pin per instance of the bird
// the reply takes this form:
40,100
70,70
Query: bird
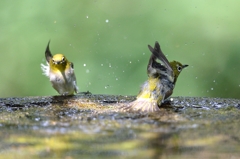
60,72
161,81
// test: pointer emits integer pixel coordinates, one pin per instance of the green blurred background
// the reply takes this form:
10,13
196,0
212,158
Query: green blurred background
107,41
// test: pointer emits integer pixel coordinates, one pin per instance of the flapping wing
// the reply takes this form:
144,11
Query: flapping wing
156,51
48,54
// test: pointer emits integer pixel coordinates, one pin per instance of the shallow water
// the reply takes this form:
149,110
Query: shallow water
91,128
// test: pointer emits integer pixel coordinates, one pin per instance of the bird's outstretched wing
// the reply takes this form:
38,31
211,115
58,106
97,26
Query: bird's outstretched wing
48,54
156,51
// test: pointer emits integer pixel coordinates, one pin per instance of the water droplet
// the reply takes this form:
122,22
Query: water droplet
87,70
109,65
143,53
211,88
106,86
130,61
214,81
107,21
196,77
116,79
101,64
37,119
84,65
87,16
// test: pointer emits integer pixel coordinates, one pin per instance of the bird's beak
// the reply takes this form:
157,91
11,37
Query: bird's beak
185,66
57,62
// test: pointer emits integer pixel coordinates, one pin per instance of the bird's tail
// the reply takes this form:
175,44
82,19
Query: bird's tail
141,105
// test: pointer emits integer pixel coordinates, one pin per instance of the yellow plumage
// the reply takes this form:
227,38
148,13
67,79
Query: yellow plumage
60,72
160,83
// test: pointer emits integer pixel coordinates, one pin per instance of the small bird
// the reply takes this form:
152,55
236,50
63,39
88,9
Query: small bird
160,84
60,72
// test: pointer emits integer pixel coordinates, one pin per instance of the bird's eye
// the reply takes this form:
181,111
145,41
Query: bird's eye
63,58
179,68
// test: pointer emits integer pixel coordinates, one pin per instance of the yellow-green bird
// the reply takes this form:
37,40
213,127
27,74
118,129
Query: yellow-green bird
160,84
60,72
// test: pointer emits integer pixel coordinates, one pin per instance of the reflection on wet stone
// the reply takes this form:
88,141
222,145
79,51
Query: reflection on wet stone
90,126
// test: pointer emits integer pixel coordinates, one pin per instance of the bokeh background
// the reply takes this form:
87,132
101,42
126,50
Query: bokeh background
107,41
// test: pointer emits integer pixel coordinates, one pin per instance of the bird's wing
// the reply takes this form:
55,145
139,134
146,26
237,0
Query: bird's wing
156,51
48,54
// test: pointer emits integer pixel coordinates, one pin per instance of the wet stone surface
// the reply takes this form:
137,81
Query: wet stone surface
89,126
